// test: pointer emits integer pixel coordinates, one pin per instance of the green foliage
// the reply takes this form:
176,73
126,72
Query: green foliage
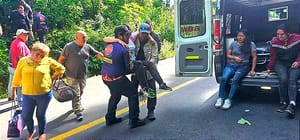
4,75
167,50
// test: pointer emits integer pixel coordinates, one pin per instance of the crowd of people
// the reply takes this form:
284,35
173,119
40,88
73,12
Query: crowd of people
128,52
125,53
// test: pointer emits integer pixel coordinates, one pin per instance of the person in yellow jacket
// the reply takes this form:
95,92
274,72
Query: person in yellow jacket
33,74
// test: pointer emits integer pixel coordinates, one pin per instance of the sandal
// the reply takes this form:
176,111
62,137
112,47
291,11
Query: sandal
30,136
42,137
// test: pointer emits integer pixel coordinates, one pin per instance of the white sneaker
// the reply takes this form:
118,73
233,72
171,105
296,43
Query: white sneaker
227,104
219,102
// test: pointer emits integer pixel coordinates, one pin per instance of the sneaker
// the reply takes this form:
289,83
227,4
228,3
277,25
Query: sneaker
113,121
165,87
219,103
282,107
79,117
227,104
151,116
136,123
290,110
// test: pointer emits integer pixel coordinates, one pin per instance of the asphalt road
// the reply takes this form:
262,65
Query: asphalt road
185,113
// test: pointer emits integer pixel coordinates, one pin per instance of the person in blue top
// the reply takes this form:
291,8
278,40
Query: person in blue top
116,65
40,25
238,65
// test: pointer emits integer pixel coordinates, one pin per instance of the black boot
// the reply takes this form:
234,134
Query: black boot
136,123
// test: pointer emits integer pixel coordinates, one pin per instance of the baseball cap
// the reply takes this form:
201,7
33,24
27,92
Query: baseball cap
145,28
122,30
21,31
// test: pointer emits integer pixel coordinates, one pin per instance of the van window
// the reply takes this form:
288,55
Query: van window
280,13
192,18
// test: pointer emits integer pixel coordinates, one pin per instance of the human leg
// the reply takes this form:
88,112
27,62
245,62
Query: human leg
28,107
78,85
115,97
292,91
151,67
282,71
42,102
238,75
151,102
140,76
227,73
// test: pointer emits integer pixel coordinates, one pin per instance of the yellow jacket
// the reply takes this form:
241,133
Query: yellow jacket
34,78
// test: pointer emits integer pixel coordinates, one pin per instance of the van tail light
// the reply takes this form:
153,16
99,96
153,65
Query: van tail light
217,34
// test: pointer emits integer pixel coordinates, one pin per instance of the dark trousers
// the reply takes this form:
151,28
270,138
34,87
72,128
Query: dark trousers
42,36
122,87
139,69
287,81
151,102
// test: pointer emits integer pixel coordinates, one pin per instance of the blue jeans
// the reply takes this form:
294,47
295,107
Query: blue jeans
41,103
287,81
234,72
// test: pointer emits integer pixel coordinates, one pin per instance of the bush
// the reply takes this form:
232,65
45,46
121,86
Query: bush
4,75
167,50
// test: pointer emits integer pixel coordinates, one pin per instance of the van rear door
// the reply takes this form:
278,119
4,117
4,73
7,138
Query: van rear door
193,38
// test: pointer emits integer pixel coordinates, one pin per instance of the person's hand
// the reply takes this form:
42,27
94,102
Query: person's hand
295,64
123,43
151,40
237,59
252,73
267,71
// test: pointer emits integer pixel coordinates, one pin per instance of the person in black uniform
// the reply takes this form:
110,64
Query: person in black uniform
116,64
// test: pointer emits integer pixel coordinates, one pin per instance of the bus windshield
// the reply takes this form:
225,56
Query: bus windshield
192,18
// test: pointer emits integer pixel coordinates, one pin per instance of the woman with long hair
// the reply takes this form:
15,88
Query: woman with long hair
238,65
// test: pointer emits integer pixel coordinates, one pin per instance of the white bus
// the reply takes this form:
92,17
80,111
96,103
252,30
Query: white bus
204,28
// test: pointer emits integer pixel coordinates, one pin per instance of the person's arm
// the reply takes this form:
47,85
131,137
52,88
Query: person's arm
99,55
230,56
61,59
254,57
271,64
1,32
58,68
113,40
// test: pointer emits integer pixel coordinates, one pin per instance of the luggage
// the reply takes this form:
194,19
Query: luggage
62,92
15,124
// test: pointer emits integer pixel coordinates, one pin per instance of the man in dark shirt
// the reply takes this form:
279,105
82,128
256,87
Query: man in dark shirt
40,25
114,69
19,20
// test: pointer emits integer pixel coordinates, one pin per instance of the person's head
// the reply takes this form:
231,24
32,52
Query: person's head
22,34
39,51
243,39
80,38
242,35
23,2
21,9
283,32
123,33
144,31
37,10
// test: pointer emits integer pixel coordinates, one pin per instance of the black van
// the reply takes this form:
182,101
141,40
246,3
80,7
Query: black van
260,17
